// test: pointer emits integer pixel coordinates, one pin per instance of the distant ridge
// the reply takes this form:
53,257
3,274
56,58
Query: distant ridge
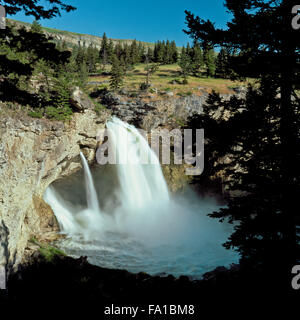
73,38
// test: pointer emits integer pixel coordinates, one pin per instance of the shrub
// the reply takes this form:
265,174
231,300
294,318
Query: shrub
175,81
49,252
61,113
144,86
98,108
35,114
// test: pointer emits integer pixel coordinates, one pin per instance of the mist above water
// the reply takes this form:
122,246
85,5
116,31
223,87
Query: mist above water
135,224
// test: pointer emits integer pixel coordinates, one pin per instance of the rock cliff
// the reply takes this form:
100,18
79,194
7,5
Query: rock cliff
33,154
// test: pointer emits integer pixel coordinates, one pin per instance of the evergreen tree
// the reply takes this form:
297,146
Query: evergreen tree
104,54
209,60
197,59
126,58
167,53
110,50
91,59
148,56
158,52
150,69
60,108
262,134
36,27
185,63
36,8
117,74
80,59
134,51
189,50
119,49
222,64
141,51
174,52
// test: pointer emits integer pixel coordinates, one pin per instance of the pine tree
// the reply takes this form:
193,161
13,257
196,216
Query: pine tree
148,55
117,74
150,69
159,52
167,53
209,60
185,63
141,51
174,52
36,27
103,54
126,58
222,64
262,134
37,8
197,59
91,59
83,73
134,51
110,50
60,108
189,50
119,49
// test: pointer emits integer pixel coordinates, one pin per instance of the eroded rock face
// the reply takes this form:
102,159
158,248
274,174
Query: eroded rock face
80,101
33,154
151,115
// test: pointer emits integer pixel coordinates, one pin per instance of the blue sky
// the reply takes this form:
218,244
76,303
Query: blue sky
135,19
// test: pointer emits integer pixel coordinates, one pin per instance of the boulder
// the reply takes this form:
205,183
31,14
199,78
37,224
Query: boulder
110,99
80,101
170,94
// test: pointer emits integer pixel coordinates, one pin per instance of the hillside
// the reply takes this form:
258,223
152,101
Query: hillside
73,38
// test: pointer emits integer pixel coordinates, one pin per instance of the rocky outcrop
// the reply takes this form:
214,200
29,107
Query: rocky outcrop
80,101
72,38
33,154
150,115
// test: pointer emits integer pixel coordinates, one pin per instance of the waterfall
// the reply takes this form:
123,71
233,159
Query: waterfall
140,184
64,216
91,195
85,222
140,229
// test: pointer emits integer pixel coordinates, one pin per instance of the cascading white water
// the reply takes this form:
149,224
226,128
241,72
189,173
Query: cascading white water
86,221
146,231
91,195
140,183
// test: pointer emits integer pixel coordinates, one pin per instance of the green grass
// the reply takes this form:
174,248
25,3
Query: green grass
168,78
50,252
47,251
98,107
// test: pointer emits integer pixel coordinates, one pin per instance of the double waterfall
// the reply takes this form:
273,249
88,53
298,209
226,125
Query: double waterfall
121,215
140,185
